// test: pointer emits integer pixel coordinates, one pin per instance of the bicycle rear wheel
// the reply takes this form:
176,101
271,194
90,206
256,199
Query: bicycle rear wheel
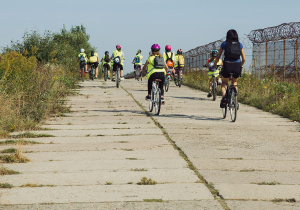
151,101
179,79
233,106
157,101
167,84
105,73
118,77
140,74
82,74
214,88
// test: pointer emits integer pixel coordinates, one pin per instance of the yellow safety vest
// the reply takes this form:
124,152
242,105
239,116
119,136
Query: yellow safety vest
151,69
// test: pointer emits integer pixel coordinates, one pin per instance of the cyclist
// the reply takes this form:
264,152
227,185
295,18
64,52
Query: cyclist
155,73
179,61
94,60
169,58
233,50
117,53
105,61
138,60
82,57
211,71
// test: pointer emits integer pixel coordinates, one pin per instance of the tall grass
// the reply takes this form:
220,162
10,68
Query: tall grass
36,75
269,94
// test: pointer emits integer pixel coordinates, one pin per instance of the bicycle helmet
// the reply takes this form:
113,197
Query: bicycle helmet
106,52
179,51
82,50
139,51
168,48
214,53
118,47
155,47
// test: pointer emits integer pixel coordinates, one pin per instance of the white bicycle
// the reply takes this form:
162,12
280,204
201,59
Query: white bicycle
155,100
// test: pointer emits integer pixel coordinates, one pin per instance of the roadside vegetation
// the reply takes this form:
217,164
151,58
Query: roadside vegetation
36,75
269,94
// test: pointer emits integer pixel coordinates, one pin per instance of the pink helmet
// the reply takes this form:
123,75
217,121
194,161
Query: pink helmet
118,47
168,48
155,47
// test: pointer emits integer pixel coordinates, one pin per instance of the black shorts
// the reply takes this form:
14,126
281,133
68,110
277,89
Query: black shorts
107,66
95,64
115,67
235,68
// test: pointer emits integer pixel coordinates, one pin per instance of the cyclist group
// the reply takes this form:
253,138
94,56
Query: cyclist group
158,64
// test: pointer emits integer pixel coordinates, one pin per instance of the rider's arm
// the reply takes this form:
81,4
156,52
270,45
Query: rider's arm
166,67
144,67
218,57
243,57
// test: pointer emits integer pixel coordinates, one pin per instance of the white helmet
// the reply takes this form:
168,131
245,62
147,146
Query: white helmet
82,50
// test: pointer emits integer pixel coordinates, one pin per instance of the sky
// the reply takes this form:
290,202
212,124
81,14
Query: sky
137,24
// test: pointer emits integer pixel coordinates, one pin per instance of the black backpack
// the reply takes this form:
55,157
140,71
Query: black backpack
106,58
233,50
159,62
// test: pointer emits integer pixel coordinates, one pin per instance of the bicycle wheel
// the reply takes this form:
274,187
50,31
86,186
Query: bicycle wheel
167,84
105,73
157,101
214,88
118,77
233,106
92,73
82,74
140,74
179,79
151,101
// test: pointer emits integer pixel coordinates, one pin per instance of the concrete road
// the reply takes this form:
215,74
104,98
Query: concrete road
110,153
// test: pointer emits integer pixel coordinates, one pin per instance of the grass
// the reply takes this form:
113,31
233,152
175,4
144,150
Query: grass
139,169
146,181
5,171
6,185
269,94
291,200
29,135
153,200
14,142
10,150
36,185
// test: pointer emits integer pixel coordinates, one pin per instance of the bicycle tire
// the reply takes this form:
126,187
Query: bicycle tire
179,79
92,73
233,106
167,84
214,88
151,101
105,74
82,74
140,74
118,77
157,102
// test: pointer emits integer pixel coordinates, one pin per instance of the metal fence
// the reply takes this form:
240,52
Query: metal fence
274,51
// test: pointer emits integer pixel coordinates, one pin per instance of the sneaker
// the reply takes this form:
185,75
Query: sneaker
147,97
162,101
96,77
209,94
122,78
223,102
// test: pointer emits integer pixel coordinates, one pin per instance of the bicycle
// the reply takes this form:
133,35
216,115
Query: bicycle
117,62
137,73
92,72
155,100
215,73
105,71
168,79
178,77
232,103
82,71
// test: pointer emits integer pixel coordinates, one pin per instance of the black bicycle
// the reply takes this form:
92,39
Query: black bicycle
138,73
93,72
105,71
232,102
178,76
117,62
